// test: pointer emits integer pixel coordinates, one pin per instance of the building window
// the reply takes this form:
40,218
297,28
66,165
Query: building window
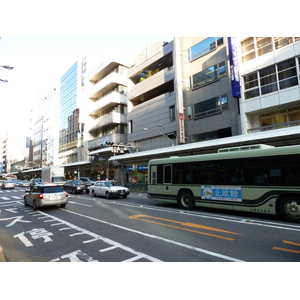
208,75
172,113
207,45
264,45
190,112
281,118
248,49
271,79
254,47
268,80
287,74
210,106
282,41
130,126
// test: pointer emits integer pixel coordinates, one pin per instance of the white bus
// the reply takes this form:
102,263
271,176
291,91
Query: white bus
257,178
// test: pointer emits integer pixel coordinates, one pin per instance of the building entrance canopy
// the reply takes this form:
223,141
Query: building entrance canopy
279,137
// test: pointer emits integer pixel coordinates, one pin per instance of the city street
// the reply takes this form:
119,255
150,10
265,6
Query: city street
137,229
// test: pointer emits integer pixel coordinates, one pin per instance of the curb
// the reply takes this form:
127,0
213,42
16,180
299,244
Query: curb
2,257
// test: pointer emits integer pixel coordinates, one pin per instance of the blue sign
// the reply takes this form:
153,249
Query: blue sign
234,68
227,193
142,168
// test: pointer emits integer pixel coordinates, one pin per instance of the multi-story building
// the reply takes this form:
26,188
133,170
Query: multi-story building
231,92
270,72
108,115
188,96
72,103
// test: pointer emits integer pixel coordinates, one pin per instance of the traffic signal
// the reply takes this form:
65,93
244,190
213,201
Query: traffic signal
107,144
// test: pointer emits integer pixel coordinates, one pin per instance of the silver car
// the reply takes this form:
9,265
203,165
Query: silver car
8,184
46,195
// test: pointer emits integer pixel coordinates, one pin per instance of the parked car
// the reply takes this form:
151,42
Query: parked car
46,195
88,181
7,184
24,183
75,186
35,181
109,189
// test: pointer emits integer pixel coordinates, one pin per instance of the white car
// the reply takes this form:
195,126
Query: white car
8,184
109,189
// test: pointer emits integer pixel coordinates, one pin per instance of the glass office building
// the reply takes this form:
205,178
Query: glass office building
70,87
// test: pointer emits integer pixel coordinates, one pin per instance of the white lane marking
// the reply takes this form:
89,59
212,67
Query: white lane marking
73,202
106,240
211,253
5,198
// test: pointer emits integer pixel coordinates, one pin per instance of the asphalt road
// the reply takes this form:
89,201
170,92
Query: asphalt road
137,229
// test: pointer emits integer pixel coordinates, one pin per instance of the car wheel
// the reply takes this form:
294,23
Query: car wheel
289,208
186,200
125,196
25,202
34,205
107,195
63,205
94,194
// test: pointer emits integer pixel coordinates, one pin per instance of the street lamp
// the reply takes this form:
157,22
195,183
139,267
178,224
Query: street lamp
164,134
7,67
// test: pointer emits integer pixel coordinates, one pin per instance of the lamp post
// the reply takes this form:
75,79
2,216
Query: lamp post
164,134
7,67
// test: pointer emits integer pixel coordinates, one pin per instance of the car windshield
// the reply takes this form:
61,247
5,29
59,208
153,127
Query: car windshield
111,183
92,179
53,189
77,182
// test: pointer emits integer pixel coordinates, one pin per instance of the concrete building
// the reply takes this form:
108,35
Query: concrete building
108,112
269,68
235,91
191,95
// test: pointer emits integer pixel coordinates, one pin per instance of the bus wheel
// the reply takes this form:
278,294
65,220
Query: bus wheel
186,200
289,208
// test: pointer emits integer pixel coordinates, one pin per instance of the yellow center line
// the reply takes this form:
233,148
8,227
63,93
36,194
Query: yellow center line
141,218
292,243
287,250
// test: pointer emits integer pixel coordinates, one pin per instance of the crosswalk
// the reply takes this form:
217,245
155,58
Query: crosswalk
7,195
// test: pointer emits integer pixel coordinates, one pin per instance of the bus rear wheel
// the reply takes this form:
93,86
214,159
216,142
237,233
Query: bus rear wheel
289,208
186,200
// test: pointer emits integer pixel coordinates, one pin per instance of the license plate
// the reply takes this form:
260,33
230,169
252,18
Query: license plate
54,197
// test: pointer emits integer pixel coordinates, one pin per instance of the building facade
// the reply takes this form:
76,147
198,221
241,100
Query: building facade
270,72
108,111
189,96
72,103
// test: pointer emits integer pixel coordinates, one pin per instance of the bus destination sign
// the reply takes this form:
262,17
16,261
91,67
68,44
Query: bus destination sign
222,193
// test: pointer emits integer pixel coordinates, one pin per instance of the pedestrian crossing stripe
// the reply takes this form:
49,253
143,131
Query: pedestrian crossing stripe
14,197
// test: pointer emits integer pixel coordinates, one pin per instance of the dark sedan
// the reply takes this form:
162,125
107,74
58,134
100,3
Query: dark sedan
75,186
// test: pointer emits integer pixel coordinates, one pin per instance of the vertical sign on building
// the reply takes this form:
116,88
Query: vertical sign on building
181,128
179,90
234,68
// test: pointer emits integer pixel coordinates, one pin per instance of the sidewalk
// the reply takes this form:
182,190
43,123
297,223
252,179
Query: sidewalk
2,257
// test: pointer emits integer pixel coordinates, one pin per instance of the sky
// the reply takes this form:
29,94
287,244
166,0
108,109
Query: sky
39,61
